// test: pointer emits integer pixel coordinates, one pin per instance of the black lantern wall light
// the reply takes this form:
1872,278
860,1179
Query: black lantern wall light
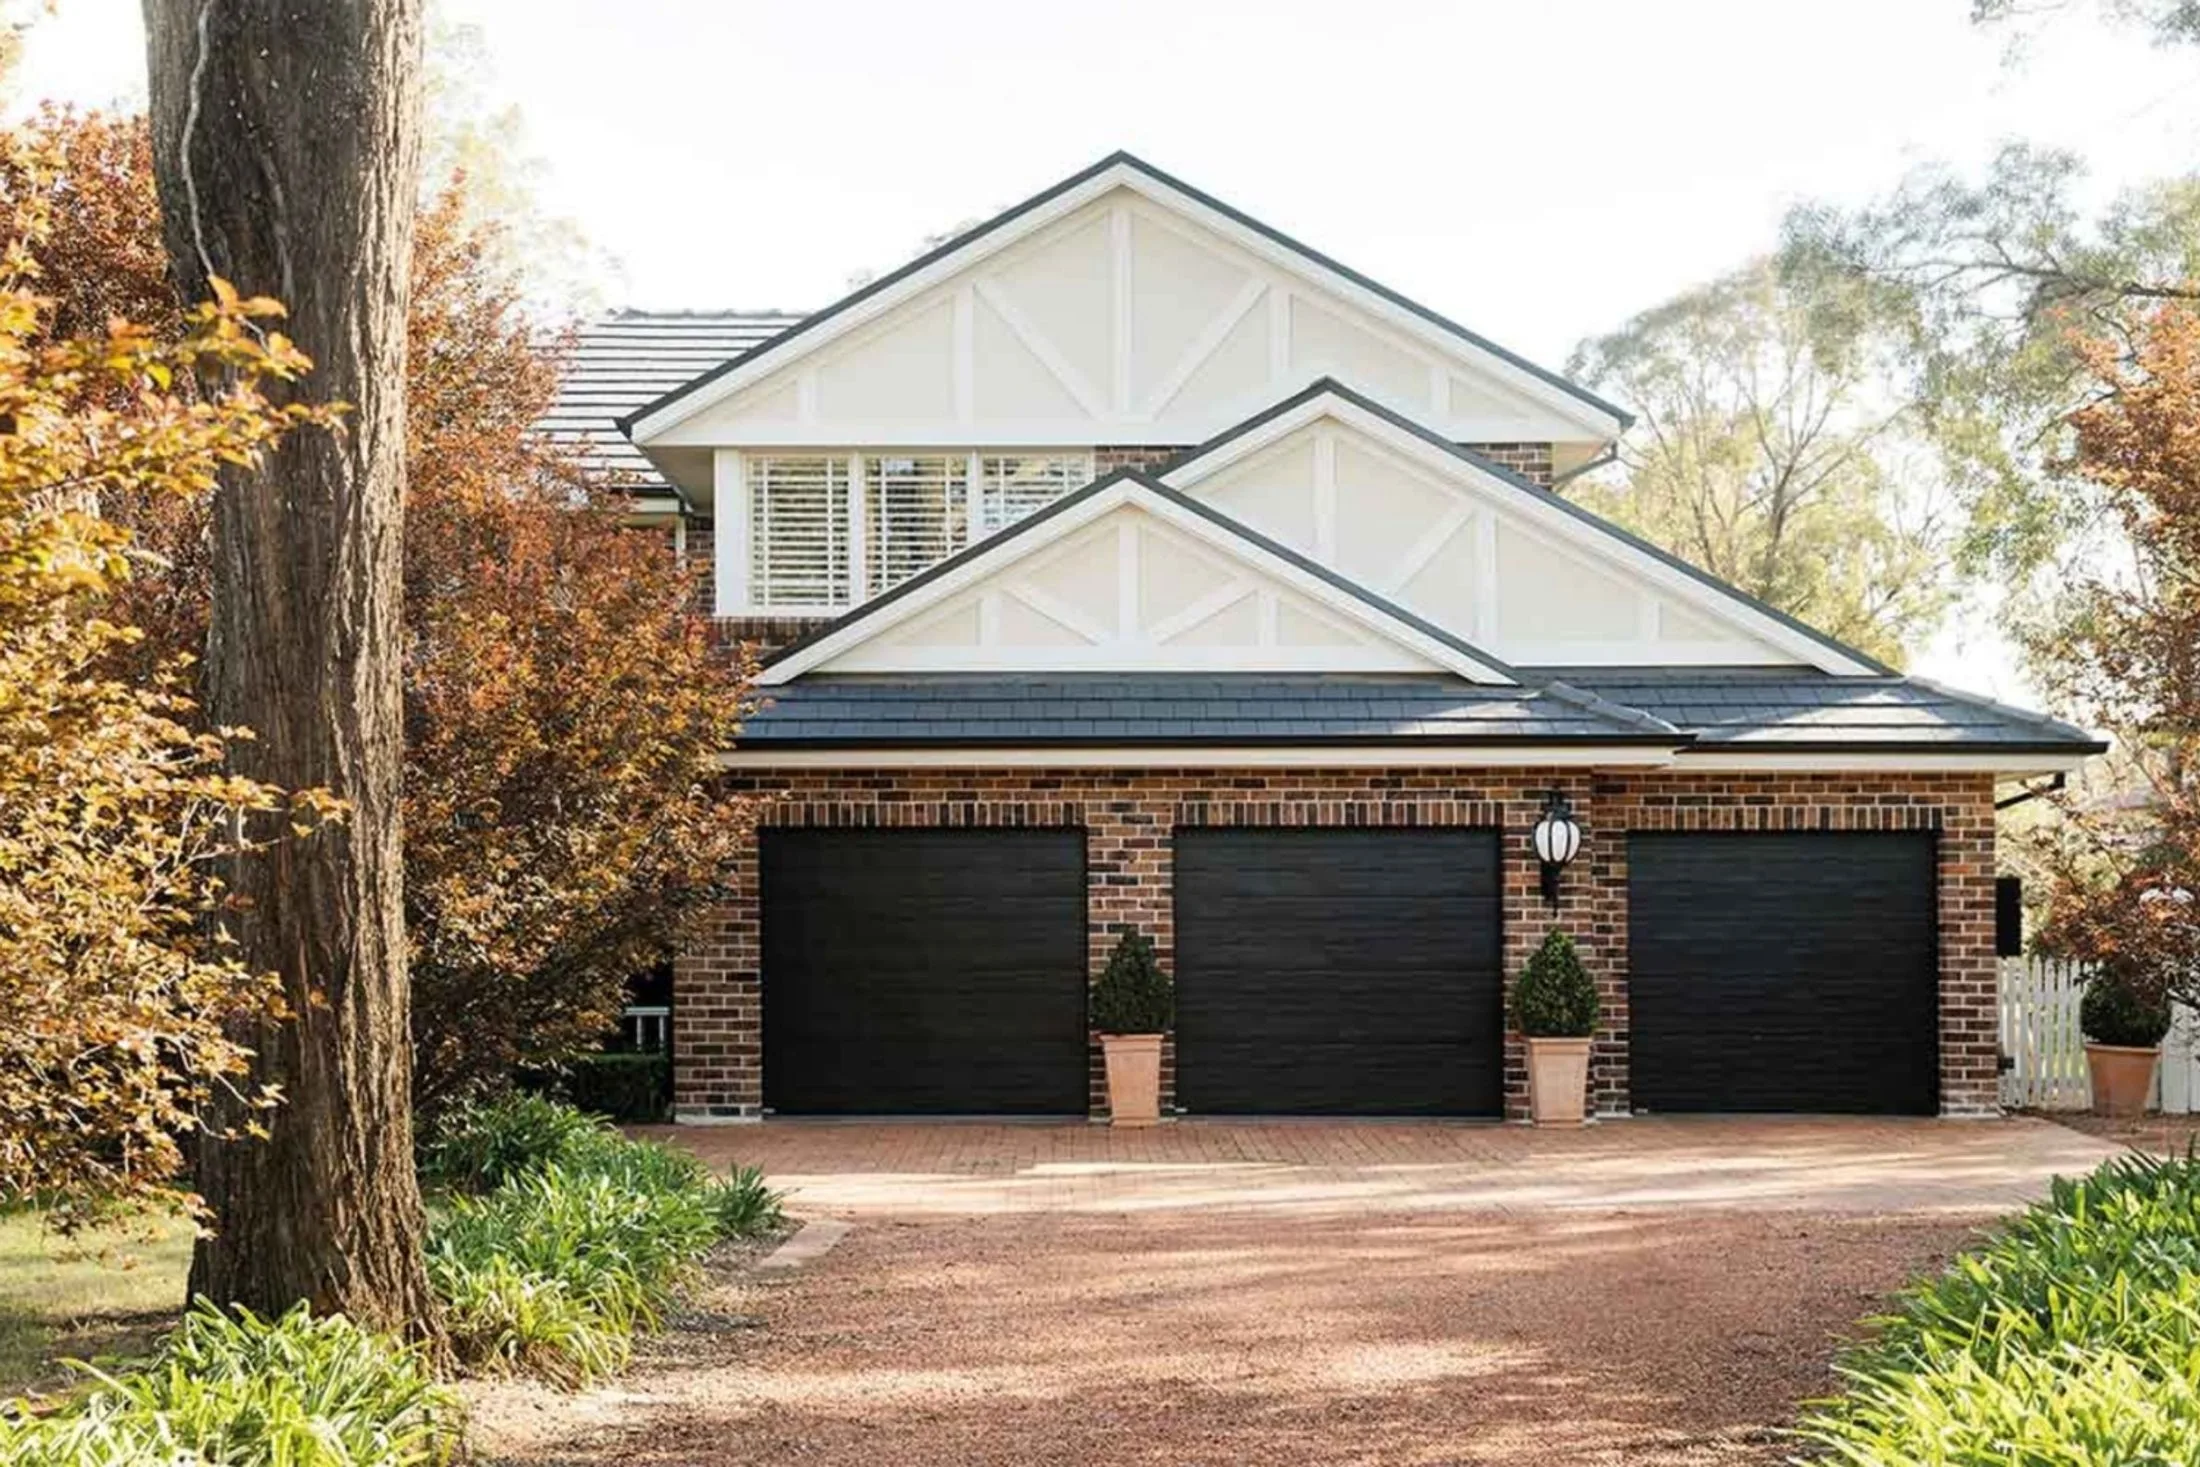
1557,840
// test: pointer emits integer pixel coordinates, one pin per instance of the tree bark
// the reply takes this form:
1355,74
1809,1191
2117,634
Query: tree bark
286,143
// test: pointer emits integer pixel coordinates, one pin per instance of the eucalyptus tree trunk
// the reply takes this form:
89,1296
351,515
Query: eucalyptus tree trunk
286,145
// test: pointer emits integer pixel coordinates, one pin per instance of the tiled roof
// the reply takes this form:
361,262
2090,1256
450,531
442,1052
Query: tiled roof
1755,706
1160,708
1725,707
621,361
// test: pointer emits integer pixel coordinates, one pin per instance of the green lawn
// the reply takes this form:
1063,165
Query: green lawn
101,1291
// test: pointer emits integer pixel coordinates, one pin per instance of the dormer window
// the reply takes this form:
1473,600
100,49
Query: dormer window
824,531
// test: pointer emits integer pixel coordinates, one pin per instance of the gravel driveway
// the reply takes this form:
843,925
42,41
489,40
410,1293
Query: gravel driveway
1648,1292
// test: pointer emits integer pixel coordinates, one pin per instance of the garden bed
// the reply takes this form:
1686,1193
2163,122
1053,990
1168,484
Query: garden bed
2069,1338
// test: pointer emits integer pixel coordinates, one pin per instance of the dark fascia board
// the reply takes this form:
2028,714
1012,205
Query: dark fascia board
1046,196
1330,386
1033,522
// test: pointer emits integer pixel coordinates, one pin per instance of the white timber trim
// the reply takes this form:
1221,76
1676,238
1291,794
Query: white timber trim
1530,509
1002,551
729,533
1294,263
1211,756
1724,760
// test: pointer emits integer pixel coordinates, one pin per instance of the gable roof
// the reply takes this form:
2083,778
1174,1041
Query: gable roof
1072,511
1326,395
1017,220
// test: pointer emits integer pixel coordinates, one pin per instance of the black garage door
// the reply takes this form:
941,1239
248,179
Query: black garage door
932,972
1782,972
1338,972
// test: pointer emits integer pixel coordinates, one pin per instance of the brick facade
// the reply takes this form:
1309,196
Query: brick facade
1128,816
1529,460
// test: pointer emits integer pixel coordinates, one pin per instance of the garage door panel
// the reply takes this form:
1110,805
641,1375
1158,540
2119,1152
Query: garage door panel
1338,971
923,971
1792,971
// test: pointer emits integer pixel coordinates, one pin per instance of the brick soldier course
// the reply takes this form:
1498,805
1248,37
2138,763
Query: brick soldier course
1128,817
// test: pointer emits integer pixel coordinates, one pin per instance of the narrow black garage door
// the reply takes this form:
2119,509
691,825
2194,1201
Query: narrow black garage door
932,972
1783,972
1338,972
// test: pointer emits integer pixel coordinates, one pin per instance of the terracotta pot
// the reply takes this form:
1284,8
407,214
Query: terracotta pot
1134,1078
1558,1081
2122,1075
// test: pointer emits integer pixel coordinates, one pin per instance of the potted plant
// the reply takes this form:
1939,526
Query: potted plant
1132,1005
1554,1004
2123,1022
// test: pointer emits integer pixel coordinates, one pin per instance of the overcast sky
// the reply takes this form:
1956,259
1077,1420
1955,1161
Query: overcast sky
1537,169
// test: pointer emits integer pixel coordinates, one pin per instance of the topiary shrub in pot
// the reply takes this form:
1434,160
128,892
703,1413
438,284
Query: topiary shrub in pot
1554,1005
2123,1019
1132,1005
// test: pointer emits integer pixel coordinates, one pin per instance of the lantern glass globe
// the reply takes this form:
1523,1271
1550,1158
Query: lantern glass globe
1557,840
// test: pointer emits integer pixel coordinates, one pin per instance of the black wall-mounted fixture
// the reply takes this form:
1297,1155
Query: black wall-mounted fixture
2008,916
1557,840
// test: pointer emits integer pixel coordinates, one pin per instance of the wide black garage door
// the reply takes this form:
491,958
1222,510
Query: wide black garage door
932,972
1782,972
1338,972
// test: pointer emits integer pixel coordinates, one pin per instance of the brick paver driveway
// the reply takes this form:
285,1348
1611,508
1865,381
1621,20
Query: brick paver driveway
1641,1292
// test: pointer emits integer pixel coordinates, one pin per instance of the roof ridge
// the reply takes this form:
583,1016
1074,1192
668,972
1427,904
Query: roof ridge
1604,707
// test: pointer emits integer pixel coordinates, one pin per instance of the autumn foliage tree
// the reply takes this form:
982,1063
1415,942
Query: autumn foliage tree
2124,647
563,700
118,986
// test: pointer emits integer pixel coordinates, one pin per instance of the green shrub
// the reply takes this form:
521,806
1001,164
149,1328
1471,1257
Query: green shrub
584,1239
747,1208
634,1088
2115,1010
2070,1338
476,1145
503,1319
1133,995
1554,997
241,1391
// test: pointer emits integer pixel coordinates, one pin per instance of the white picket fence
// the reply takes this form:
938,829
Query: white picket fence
2039,1034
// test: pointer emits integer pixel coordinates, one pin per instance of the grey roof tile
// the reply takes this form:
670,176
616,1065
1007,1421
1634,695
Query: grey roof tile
1742,706
1730,707
630,358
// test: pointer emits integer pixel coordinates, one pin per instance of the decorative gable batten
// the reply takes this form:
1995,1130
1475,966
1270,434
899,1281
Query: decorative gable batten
1502,565
1132,318
1128,593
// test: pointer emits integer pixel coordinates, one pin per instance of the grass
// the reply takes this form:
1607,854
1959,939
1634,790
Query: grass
98,1293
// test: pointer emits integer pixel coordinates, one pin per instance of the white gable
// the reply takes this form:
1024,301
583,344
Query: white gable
1126,580
1122,310
1510,569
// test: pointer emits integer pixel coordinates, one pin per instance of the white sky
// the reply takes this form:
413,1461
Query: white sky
1536,169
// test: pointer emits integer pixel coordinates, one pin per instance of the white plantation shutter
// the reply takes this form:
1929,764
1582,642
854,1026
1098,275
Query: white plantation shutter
798,532
829,530
916,514
1014,485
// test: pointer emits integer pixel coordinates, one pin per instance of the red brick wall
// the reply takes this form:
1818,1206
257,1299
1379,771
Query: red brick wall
1529,460
1128,817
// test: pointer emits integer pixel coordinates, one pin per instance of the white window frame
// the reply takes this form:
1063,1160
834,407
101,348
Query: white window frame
732,531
